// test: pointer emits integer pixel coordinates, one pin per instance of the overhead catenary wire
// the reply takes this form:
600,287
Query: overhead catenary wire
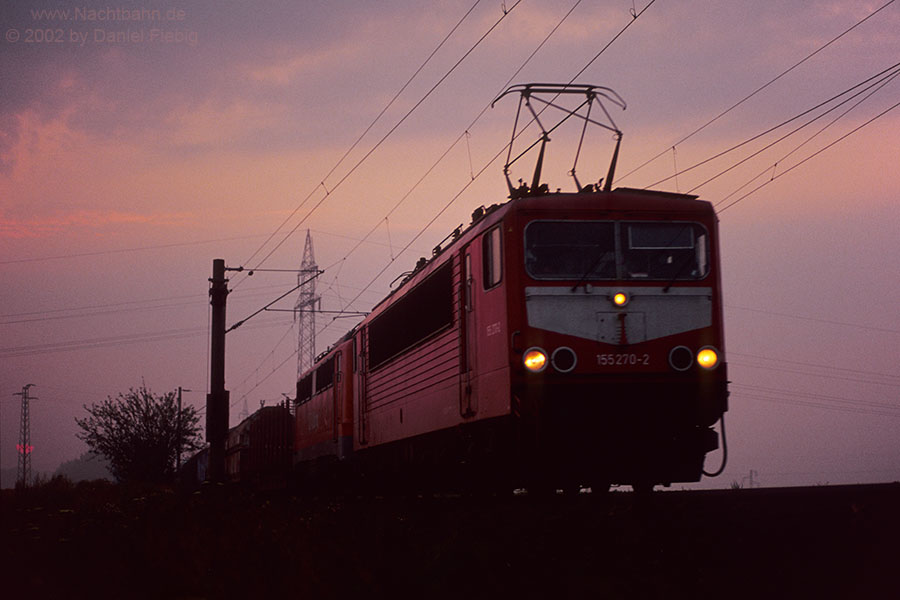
365,132
757,90
771,368
474,176
389,133
429,171
830,368
816,319
812,404
808,158
877,87
875,81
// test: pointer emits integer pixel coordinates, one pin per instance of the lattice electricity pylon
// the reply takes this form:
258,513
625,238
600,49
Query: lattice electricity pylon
24,447
305,308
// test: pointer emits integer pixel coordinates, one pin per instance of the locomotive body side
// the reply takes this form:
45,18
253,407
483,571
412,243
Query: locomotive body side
323,420
426,379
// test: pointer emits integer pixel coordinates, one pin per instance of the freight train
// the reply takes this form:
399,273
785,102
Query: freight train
560,340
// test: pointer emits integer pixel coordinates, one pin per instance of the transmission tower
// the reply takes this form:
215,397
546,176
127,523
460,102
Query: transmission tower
245,412
24,447
305,308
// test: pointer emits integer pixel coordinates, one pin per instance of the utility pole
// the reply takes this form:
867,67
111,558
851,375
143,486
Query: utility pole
178,432
24,447
217,399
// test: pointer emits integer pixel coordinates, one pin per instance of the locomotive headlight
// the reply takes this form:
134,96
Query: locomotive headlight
620,298
708,358
535,360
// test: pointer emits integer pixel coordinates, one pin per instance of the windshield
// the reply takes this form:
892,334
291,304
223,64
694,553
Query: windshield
570,249
586,250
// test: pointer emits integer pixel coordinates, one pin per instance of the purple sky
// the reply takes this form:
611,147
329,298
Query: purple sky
127,166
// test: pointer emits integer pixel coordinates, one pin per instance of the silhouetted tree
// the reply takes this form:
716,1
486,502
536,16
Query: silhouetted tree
140,434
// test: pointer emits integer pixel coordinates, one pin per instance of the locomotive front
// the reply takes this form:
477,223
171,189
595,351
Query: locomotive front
617,336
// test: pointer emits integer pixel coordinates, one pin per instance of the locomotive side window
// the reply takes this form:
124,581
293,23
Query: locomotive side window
422,312
325,375
665,251
304,389
570,249
469,282
492,257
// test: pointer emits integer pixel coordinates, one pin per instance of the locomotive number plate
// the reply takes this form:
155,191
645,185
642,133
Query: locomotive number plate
622,359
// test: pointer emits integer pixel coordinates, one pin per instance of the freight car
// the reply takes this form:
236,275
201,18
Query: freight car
560,340
258,449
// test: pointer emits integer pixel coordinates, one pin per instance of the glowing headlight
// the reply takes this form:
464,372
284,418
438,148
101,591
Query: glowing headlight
535,360
708,358
620,298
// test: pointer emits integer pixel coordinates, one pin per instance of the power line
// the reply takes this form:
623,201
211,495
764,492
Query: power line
124,250
822,397
877,87
756,91
818,375
474,176
806,403
388,134
421,179
885,76
816,365
110,341
461,136
815,319
363,134
807,159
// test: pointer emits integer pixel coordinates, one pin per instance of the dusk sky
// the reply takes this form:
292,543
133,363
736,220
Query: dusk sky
134,151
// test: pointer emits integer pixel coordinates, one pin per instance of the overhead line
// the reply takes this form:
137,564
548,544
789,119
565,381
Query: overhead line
103,342
877,87
363,134
123,250
846,409
797,372
388,134
822,397
500,152
457,140
885,75
818,320
808,158
816,365
758,90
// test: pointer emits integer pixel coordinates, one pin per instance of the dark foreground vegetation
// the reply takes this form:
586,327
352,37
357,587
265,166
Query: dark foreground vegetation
101,540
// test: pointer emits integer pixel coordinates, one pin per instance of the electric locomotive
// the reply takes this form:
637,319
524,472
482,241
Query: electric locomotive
560,340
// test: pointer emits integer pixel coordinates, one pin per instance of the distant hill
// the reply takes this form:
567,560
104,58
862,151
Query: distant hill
86,467
8,478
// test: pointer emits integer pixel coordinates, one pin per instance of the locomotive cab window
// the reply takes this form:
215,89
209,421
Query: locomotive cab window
570,250
491,252
664,251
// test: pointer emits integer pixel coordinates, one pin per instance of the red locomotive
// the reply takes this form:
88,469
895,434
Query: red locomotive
560,340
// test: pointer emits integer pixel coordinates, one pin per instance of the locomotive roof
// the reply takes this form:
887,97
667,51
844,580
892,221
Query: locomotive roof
620,199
